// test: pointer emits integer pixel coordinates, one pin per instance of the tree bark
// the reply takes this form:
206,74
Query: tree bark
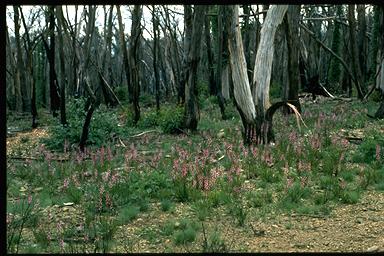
155,23
123,46
254,110
211,72
264,57
191,105
94,102
53,86
18,104
134,60
291,91
361,41
188,24
63,74
355,54
30,46
25,100
219,65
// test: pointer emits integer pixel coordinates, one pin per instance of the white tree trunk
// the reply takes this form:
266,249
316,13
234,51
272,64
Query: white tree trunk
241,88
264,56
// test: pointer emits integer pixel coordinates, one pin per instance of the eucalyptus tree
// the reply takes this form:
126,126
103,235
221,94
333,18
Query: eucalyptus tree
254,106
155,24
24,104
133,56
291,90
191,104
356,65
30,45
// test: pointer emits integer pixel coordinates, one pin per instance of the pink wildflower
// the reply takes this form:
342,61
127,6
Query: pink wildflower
29,199
66,183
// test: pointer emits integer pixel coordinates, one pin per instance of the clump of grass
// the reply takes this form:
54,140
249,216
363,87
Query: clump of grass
259,198
186,233
127,214
237,210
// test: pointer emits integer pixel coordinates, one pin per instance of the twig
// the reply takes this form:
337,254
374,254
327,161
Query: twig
140,134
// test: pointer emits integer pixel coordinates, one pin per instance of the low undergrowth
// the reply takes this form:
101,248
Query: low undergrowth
96,195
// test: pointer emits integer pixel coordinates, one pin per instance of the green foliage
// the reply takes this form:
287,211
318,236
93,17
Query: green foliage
74,194
202,209
295,193
146,100
186,232
367,150
148,119
121,93
104,125
127,214
259,198
214,243
166,205
171,119
237,209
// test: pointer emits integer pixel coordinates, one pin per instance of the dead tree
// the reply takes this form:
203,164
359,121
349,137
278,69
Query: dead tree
191,105
255,110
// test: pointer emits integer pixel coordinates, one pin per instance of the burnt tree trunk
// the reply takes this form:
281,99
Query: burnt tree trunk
155,23
25,103
355,54
219,65
134,60
291,90
53,86
94,102
63,74
188,24
191,105
211,72
123,46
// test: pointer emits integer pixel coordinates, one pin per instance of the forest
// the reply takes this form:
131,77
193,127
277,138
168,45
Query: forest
194,128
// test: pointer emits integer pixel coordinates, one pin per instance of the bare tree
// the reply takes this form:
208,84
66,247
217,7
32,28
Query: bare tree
355,54
15,72
191,105
291,90
20,63
50,49
134,60
155,23
255,110
63,73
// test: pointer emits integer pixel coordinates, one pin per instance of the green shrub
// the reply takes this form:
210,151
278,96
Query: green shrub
186,233
122,93
103,126
128,214
172,119
148,119
366,152
146,100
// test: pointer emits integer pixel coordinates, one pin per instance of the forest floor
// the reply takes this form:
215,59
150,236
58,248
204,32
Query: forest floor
356,226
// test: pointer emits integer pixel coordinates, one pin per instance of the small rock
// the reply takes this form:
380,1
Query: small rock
359,220
374,248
